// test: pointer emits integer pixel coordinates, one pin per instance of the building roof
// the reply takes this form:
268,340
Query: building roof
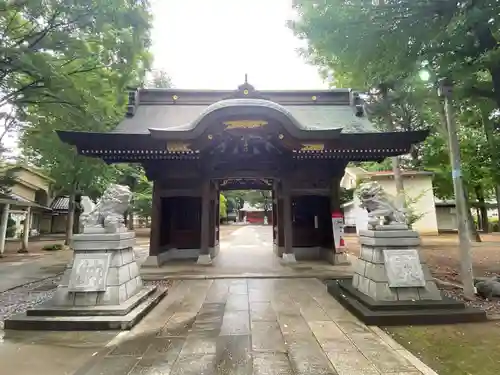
318,124
185,117
360,173
17,200
60,203
12,167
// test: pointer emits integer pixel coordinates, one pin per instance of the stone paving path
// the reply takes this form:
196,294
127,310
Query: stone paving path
251,326
247,252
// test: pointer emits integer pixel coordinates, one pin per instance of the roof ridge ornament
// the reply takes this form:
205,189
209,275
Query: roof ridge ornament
357,104
133,102
246,90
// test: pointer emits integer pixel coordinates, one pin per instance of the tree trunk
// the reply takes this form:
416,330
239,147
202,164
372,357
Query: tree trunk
479,218
71,216
497,195
482,208
495,156
474,234
396,166
130,223
398,179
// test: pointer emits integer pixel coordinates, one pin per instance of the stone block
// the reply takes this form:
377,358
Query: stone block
390,242
127,255
407,294
391,227
123,274
116,258
388,233
355,280
430,292
378,256
113,277
122,293
131,287
134,270
359,266
110,297
89,272
403,268
65,277
363,284
376,272
366,253
86,298
63,297
140,284
382,292
427,273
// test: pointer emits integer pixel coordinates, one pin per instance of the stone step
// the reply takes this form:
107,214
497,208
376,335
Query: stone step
398,313
86,323
47,309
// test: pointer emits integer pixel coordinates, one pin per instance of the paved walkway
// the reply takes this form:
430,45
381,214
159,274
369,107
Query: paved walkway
246,252
253,327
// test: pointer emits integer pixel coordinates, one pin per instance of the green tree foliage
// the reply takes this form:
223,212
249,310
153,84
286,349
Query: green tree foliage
363,44
222,206
65,66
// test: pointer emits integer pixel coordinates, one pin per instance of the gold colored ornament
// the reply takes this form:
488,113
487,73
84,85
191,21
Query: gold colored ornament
244,124
314,97
210,136
312,147
281,136
178,147
175,97
245,92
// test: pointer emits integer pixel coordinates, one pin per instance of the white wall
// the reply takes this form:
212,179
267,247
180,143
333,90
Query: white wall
417,186
446,218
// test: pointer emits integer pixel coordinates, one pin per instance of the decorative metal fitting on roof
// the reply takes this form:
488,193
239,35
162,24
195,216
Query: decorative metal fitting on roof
358,104
133,102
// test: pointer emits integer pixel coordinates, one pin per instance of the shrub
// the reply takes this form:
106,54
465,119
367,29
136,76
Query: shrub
53,247
11,228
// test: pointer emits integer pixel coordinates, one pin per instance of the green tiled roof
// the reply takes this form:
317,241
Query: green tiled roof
184,117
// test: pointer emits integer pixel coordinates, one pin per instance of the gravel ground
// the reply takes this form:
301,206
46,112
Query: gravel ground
491,307
20,299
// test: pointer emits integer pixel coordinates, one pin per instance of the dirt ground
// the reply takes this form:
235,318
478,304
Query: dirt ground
442,255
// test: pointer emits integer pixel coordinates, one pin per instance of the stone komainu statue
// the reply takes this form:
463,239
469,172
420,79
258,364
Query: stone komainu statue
381,208
108,212
489,288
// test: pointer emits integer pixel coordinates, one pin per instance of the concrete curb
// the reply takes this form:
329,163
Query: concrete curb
422,367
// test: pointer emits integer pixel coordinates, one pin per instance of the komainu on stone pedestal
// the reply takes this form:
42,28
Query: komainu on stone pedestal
101,287
391,285
107,215
381,208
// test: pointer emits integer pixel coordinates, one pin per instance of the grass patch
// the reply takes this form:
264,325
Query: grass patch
53,247
459,349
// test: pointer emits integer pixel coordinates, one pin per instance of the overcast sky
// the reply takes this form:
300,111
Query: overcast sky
211,44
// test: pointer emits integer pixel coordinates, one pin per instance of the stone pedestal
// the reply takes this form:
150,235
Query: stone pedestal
389,267
392,286
100,289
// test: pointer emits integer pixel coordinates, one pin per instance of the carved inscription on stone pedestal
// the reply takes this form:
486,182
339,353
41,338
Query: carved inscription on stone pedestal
90,272
403,268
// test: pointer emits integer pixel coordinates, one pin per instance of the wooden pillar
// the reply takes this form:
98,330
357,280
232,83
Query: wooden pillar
275,216
288,254
26,231
338,256
3,227
204,257
217,215
154,236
